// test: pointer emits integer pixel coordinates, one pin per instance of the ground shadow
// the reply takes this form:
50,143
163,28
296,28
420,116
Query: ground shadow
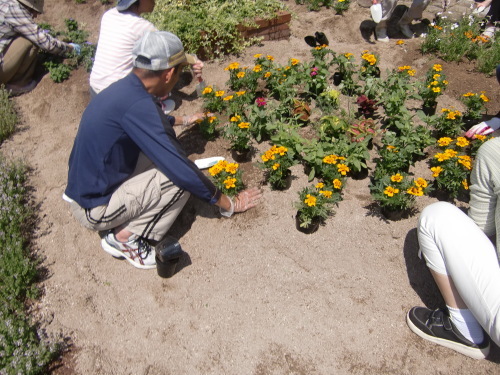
367,30
418,274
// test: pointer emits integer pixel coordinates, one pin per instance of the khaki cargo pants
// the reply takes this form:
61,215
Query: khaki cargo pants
147,204
19,61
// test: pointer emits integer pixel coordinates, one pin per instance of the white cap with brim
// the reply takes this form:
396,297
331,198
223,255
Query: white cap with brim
36,5
125,4
160,50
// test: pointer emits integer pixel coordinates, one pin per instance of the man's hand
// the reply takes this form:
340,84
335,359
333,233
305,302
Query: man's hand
247,199
197,68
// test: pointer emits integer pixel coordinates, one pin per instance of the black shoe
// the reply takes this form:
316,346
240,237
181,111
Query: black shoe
437,327
321,38
311,41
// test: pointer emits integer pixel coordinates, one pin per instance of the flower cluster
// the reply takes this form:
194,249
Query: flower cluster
434,85
451,166
276,162
315,203
334,168
238,132
227,177
208,126
449,123
340,6
369,66
475,104
397,192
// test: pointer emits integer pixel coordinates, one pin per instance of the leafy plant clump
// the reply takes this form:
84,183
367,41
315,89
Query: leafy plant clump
8,116
210,25
59,67
23,349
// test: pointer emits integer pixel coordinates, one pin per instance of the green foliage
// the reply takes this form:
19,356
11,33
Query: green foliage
59,67
455,41
315,204
22,349
315,5
211,24
277,162
8,116
341,6
208,127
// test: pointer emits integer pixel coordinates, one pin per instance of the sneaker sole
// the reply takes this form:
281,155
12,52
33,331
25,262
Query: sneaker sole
462,349
118,254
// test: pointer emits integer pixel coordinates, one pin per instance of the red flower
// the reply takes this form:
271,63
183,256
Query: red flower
261,102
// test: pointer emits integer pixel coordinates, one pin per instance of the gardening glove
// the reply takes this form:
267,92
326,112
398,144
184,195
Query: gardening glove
247,199
484,128
76,48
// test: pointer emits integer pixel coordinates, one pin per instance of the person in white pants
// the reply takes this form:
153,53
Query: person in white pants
414,12
464,263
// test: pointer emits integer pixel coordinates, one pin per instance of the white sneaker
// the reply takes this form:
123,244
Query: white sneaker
405,29
489,32
137,251
382,35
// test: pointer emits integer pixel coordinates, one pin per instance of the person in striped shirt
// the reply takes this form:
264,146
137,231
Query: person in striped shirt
20,40
121,27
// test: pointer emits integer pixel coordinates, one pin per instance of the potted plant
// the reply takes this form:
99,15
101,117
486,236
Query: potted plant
475,104
238,132
434,86
276,163
208,126
227,177
313,207
396,194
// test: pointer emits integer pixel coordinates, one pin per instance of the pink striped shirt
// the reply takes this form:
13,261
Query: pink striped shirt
118,34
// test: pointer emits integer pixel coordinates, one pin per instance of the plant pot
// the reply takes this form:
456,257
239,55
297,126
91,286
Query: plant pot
393,215
241,156
360,175
429,109
284,183
337,78
376,73
311,228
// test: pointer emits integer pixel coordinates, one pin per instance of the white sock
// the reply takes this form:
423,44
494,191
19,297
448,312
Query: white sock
467,324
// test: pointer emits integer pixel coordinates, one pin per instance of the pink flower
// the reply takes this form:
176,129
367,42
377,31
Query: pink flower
261,102
314,71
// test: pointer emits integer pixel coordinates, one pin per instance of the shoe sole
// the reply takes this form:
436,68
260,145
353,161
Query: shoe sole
119,255
462,349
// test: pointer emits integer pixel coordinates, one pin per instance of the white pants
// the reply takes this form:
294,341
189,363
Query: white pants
452,244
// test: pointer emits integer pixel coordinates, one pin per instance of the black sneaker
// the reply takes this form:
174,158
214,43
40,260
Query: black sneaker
437,327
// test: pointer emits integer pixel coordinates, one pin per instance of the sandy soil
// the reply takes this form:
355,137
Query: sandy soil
258,297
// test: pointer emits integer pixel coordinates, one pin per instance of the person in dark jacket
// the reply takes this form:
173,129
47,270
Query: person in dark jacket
127,171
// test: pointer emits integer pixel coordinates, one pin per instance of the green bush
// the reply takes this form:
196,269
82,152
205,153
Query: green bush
22,349
211,24
8,116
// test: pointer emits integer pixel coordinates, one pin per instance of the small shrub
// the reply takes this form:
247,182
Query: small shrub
8,116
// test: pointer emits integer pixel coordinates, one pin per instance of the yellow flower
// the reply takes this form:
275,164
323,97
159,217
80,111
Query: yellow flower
232,66
462,142
484,98
257,68
267,74
240,74
227,98
310,200
235,118
411,72
436,171
270,58
396,178
294,61
390,191
436,89
276,166
450,153
437,67
211,119
434,83
348,55
330,159
445,82
326,193
421,182
392,148
444,141
480,137
239,93
219,93
207,90
400,42
414,190
215,170
466,163
320,185
468,94
257,55
343,169
232,168
465,184
436,76
441,156
337,184
230,182
244,125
